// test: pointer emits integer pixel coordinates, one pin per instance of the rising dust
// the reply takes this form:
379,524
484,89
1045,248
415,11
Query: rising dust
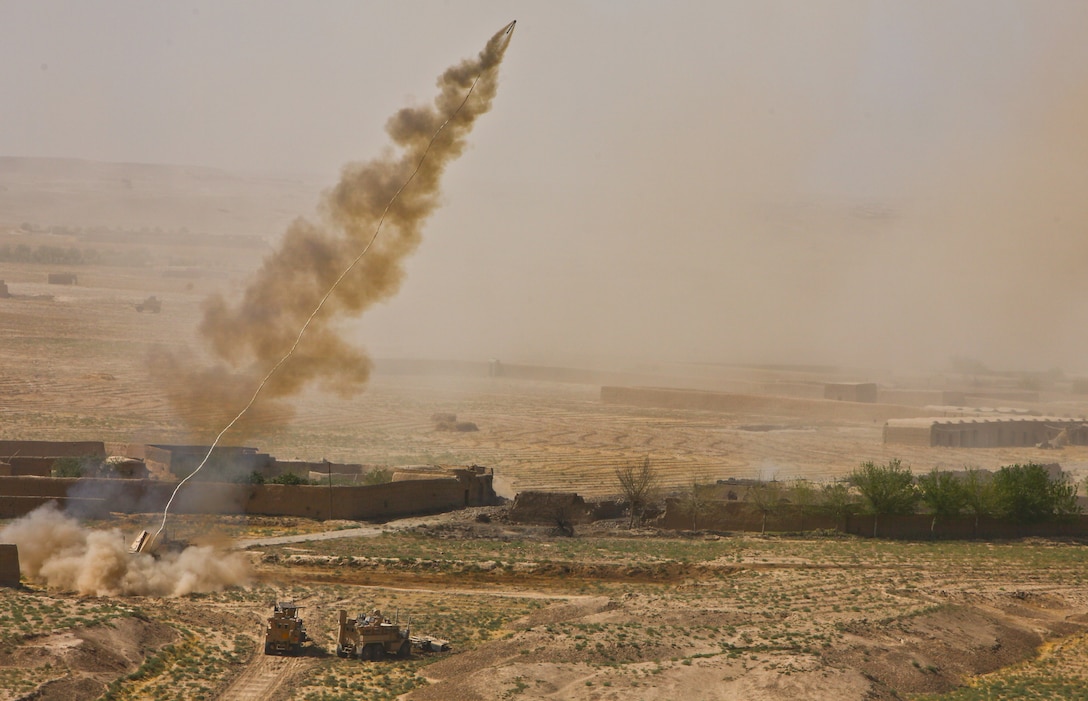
55,549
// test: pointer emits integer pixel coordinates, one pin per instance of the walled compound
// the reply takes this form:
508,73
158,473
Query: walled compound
987,432
225,485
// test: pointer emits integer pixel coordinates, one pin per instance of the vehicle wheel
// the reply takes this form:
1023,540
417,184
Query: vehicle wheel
405,649
376,651
267,649
340,651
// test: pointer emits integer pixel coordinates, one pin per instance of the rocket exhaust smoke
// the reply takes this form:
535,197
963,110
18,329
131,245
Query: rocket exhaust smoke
319,274
54,548
304,286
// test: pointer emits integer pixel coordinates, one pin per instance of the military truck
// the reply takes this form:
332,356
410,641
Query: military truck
372,637
285,633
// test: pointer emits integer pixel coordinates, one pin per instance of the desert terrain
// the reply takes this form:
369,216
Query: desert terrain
610,613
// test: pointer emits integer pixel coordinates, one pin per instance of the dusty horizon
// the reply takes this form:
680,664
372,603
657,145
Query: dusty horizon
852,184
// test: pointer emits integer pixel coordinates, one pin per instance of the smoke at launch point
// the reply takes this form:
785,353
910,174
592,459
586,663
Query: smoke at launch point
56,549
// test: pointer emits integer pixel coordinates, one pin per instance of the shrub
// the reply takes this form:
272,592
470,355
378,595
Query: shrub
85,466
289,478
379,475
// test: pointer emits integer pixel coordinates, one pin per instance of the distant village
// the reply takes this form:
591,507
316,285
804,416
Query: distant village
94,478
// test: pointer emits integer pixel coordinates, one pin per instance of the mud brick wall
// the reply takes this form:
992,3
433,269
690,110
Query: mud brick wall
753,403
21,495
547,507
9,565
51,449
740,517
25,467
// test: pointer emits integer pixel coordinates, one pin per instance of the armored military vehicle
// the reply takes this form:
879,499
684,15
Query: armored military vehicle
285,633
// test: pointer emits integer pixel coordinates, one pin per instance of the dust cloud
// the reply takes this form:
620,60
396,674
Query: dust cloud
245,338
862,185
56,549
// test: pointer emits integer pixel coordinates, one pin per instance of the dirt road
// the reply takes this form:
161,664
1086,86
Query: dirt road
371,531
264,676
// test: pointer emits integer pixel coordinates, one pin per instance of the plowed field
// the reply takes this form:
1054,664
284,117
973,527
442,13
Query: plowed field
75,367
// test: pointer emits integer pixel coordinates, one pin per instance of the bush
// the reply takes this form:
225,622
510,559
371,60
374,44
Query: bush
85,466
289,478
379,475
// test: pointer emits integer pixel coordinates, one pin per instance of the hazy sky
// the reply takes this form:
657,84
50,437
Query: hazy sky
878,183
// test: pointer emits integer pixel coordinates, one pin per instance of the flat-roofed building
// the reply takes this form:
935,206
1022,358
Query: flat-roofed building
987,432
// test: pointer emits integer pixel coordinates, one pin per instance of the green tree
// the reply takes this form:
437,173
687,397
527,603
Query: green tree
886,490
978,495
838,501
638,484
1026,494
943,494
765,498
804,497
1065,498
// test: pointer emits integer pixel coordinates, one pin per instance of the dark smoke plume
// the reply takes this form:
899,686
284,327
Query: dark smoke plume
247,337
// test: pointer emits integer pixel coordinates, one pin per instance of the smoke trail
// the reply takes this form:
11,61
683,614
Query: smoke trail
408,128
304,284
54,548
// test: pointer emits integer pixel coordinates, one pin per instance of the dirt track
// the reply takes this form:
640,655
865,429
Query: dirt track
264,678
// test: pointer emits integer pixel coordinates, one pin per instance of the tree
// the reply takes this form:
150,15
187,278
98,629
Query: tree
638,484
802,494
563,518
886,490
693,503
1026,494
978,495
1065,498
764,498
837,501
943,494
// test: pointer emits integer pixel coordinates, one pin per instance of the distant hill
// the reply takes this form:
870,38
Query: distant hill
78,193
